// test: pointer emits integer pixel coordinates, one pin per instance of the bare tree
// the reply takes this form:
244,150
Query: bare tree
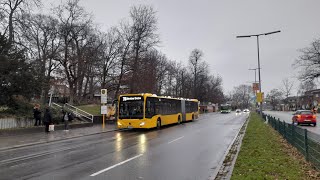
40,32
162,70
144,26
68,46
126,41
241,96
77,36
274,97
111,54
306,86
195,62
309,61
11,10
214,91
287,86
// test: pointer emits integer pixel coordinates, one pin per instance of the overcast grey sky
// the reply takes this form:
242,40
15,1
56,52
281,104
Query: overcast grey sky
213,25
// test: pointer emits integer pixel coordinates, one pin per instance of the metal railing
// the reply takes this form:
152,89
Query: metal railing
55,105
76,111
308,143
79,112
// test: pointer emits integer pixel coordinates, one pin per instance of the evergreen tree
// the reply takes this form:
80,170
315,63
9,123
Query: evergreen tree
17,77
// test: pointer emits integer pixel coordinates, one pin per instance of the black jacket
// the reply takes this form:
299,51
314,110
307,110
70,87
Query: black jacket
36,113
47,116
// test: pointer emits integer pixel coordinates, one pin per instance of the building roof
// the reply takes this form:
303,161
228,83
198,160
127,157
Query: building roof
313,91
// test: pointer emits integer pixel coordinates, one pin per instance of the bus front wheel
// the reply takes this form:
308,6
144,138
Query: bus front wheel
158,123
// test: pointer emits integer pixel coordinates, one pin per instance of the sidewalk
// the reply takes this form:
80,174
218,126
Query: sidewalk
14,141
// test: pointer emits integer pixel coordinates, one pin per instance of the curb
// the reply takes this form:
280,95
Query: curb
44,142
220,164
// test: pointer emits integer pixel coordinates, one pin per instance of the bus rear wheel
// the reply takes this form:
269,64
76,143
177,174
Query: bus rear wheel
158,123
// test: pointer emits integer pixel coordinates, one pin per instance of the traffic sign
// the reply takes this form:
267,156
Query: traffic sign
255,86
104,109
260,96
104,96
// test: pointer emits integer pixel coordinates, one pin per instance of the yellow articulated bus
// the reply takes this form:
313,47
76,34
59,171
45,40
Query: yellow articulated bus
150,111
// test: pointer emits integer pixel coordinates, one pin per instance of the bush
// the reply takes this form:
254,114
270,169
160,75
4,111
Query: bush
20,107
56,116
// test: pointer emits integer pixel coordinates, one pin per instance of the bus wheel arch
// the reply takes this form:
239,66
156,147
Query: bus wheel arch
192,117
179,119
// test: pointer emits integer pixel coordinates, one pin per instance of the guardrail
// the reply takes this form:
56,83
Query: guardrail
308,143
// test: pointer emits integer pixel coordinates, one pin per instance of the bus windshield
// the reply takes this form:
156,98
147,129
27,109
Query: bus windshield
131,107
225,107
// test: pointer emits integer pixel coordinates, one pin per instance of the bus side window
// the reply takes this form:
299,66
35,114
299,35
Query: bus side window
150,108
158,106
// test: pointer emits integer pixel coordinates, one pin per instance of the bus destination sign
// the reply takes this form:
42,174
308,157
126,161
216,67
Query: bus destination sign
131,98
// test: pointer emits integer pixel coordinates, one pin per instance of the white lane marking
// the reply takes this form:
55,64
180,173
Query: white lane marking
176,139
111,167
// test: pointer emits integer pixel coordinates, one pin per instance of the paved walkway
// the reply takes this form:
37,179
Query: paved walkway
12,141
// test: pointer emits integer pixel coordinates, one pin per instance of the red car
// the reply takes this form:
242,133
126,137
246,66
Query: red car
304,117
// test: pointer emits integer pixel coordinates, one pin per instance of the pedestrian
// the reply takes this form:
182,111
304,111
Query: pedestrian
66,120
47,119
37,115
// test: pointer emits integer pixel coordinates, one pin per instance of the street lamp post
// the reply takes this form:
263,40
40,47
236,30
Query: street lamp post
255,74
257,35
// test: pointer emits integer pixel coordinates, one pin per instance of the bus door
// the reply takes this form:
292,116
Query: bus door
183,110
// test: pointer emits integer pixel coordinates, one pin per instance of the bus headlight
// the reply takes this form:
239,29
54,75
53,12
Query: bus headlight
119,124
142,124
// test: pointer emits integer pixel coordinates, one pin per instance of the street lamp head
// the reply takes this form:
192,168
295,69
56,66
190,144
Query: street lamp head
272,32
243,36
254,68
257,35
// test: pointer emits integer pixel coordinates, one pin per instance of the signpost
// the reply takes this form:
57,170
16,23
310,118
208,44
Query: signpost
104,109
260,97
255,87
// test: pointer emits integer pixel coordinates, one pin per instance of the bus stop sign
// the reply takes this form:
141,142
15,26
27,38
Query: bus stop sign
104,96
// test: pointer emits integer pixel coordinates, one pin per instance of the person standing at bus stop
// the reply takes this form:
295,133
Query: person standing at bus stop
37,115
47,119
66,120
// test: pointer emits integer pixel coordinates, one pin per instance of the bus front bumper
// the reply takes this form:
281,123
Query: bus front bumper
133,124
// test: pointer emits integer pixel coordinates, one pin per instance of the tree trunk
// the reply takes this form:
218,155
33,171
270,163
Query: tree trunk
135,69
11,34
120,78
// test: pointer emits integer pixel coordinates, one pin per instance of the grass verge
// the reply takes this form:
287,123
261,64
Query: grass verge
91,108
265,155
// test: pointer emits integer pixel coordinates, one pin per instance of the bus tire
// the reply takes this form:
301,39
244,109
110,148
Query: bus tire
158,123
179,119
192,117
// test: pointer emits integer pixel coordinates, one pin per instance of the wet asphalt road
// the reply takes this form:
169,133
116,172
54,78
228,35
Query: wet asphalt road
287,117
188,151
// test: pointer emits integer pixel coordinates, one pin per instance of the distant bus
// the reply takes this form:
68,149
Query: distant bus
150,111
225,108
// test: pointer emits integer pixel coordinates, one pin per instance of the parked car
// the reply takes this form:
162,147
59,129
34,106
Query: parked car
246,110
304,117
238,110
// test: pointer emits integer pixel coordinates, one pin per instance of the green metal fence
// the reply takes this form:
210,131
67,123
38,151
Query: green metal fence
308,143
